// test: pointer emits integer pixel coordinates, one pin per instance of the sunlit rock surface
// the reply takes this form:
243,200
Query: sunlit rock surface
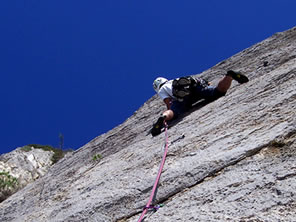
24,165
237,161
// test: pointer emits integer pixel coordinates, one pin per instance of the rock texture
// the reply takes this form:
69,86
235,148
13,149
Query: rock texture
237,161
25,166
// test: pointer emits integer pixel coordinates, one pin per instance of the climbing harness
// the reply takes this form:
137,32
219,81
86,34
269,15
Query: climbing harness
152,197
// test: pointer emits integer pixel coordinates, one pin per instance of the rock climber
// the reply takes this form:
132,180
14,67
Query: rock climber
180,94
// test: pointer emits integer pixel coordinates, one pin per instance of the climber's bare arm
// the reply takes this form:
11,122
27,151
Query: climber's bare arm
167,101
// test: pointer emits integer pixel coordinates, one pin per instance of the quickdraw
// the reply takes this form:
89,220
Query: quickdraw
154,207
152,197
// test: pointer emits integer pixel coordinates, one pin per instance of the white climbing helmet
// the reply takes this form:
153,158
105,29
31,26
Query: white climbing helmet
158,83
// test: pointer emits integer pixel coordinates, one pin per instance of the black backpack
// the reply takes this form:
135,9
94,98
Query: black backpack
184,86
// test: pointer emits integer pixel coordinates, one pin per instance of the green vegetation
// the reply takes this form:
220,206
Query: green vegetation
26,148
8,185
97,157
7,181
58,153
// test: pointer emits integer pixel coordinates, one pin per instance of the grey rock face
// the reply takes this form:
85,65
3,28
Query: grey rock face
25,166
235,163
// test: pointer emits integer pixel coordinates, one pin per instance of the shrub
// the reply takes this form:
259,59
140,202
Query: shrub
26,148
8,185
97,157
7,181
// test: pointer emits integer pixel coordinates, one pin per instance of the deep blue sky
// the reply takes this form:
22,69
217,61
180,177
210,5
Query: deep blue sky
81,68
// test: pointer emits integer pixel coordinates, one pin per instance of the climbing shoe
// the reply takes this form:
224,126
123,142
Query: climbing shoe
156,130
240,78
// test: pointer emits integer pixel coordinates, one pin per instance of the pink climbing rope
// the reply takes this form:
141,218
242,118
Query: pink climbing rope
154,189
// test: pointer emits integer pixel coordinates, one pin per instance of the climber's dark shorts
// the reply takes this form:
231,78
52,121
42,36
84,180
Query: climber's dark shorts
209,93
